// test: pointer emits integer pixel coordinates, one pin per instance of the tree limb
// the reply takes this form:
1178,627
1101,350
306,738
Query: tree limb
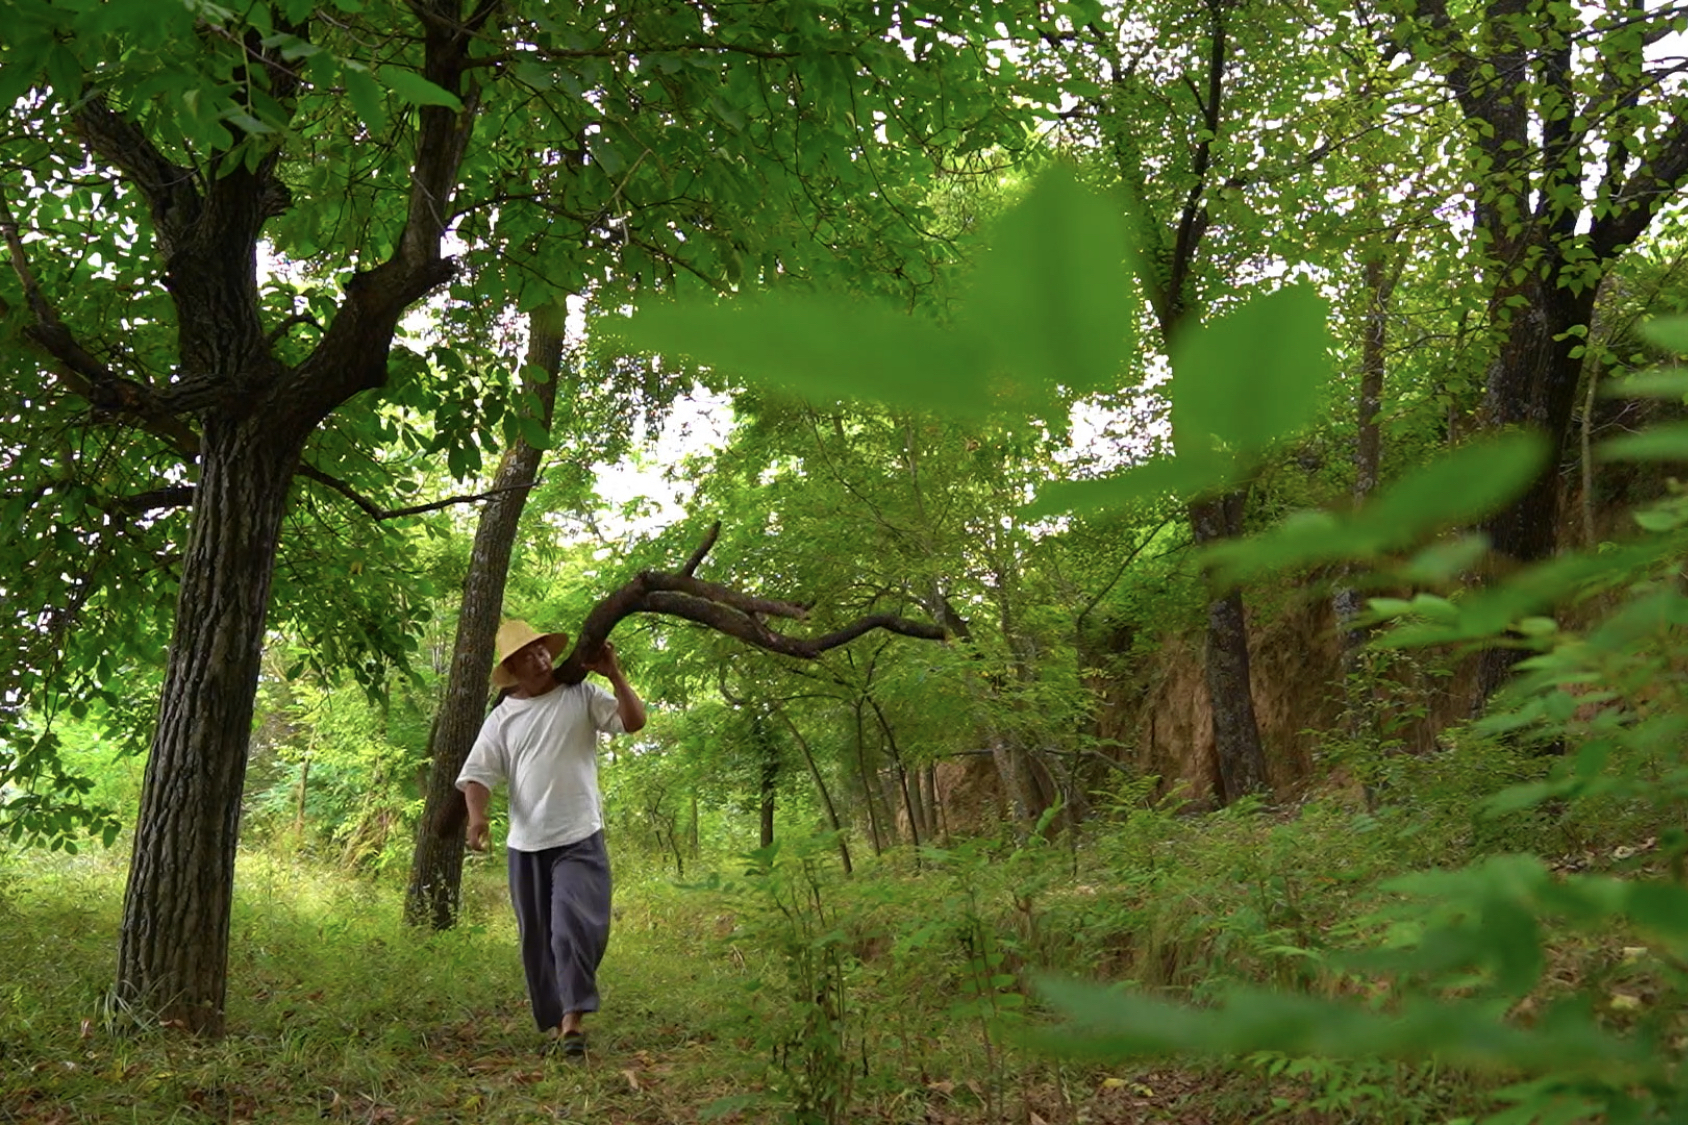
170,496
1649,186
722,609
703,549
352,354
79,370
171,191
376,512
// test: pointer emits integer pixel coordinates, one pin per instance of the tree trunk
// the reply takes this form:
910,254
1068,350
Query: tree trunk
929,793
173,949
826,794
697,843
910,808
436,868
869,784
916,803
1368,455
304,790
1011,772
1533,382
1236,733
770,778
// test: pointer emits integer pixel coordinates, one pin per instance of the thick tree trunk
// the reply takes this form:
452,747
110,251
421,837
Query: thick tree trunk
436,869
1533,382
173,950
1236,733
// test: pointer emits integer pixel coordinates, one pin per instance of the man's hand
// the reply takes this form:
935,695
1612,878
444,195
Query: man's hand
605,663
479,832
627,700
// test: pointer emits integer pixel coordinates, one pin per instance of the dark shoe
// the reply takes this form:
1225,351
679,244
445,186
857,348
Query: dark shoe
574,1045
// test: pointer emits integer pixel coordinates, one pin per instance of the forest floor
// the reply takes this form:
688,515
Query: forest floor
337,1012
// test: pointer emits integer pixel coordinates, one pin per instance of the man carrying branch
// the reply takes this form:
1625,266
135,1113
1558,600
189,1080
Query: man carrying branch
542,738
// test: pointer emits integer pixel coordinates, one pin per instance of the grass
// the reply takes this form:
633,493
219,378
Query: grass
337,1012
796,995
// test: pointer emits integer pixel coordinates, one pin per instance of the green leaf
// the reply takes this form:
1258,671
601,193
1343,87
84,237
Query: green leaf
824,348
1661,908
1442,562
1461,486
1109,1025
64,72
732,1104
533,433
366,97
1668,332
1669,382
415,89
1050,306
1668,442
1182,477
1053,294
1252,376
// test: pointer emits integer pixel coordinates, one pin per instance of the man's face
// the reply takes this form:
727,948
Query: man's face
530,662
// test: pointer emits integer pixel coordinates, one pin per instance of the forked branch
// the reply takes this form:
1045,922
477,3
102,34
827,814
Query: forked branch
723,609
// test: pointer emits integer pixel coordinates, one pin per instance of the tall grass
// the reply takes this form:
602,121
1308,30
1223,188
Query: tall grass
920,976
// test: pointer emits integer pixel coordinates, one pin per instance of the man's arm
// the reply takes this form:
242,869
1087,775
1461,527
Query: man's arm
628,703
476,796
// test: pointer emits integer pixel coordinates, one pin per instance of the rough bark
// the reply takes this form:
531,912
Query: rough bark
1533,382
1236,733
436,869
1168,274
255,415
173,947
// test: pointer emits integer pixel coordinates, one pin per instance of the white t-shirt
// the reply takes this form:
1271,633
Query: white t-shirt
547,749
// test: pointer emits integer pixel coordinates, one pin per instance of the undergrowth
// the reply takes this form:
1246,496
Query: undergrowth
779,989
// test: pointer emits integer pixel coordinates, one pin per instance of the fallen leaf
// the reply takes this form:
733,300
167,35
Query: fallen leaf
632,1078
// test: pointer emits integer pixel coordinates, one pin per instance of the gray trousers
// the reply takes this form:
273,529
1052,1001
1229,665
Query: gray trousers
562,900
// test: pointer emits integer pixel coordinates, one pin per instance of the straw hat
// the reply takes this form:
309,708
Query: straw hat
514,636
